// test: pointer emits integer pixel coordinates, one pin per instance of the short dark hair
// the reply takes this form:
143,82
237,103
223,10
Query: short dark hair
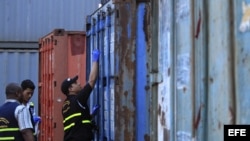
27,83
12,89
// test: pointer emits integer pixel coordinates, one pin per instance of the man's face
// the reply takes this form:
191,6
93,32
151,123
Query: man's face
27,94
75,88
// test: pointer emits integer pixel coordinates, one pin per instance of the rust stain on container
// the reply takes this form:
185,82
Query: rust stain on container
163,118
125,47
198,118
184,89
159,110
232,115
211,80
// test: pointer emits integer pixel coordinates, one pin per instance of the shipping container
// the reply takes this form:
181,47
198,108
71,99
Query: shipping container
205,54
115,88
17,63
30,20
62,55
170,70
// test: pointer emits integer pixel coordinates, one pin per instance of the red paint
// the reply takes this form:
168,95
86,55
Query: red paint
62,54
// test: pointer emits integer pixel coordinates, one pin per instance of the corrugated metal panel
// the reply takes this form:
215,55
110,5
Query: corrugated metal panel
242,61
125,49
17,65
200,62
126,103
101,33
53,51
163,44
183,70
220,74
204,47
18,45
62,55
29,20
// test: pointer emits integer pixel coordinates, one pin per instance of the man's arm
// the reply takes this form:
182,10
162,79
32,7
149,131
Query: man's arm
94,70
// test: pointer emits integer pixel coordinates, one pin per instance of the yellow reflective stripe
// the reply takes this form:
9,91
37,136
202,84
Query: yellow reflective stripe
86,121
9,129
6,138
31,103
73,124
71,116
69,126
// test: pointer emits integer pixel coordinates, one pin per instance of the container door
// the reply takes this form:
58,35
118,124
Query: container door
100,35
241,61
53,51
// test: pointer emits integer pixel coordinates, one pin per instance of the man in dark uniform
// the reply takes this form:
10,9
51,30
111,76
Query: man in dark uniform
15,121
75,110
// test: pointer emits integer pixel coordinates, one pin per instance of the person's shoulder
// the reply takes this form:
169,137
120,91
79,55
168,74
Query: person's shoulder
20,107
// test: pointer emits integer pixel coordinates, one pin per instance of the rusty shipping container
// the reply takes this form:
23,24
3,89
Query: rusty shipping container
173,70
112,30
204,48
62,54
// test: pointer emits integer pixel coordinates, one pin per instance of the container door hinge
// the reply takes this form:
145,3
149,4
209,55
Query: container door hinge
155,78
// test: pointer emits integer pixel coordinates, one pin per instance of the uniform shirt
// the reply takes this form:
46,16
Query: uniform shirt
31,108
22,115
15,117
73,106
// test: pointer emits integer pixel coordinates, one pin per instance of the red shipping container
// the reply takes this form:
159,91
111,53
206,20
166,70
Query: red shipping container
62,54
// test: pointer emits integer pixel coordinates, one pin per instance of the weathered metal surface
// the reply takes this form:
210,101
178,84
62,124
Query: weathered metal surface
125,96
50,77
100,35
206,86
165,104
29,20
241,53
220,74
118,66
142,73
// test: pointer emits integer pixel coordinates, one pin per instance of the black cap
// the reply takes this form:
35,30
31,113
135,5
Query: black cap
66,84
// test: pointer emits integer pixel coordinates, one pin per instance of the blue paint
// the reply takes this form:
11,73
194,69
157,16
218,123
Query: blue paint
108,21
102,24
108,67
142,114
